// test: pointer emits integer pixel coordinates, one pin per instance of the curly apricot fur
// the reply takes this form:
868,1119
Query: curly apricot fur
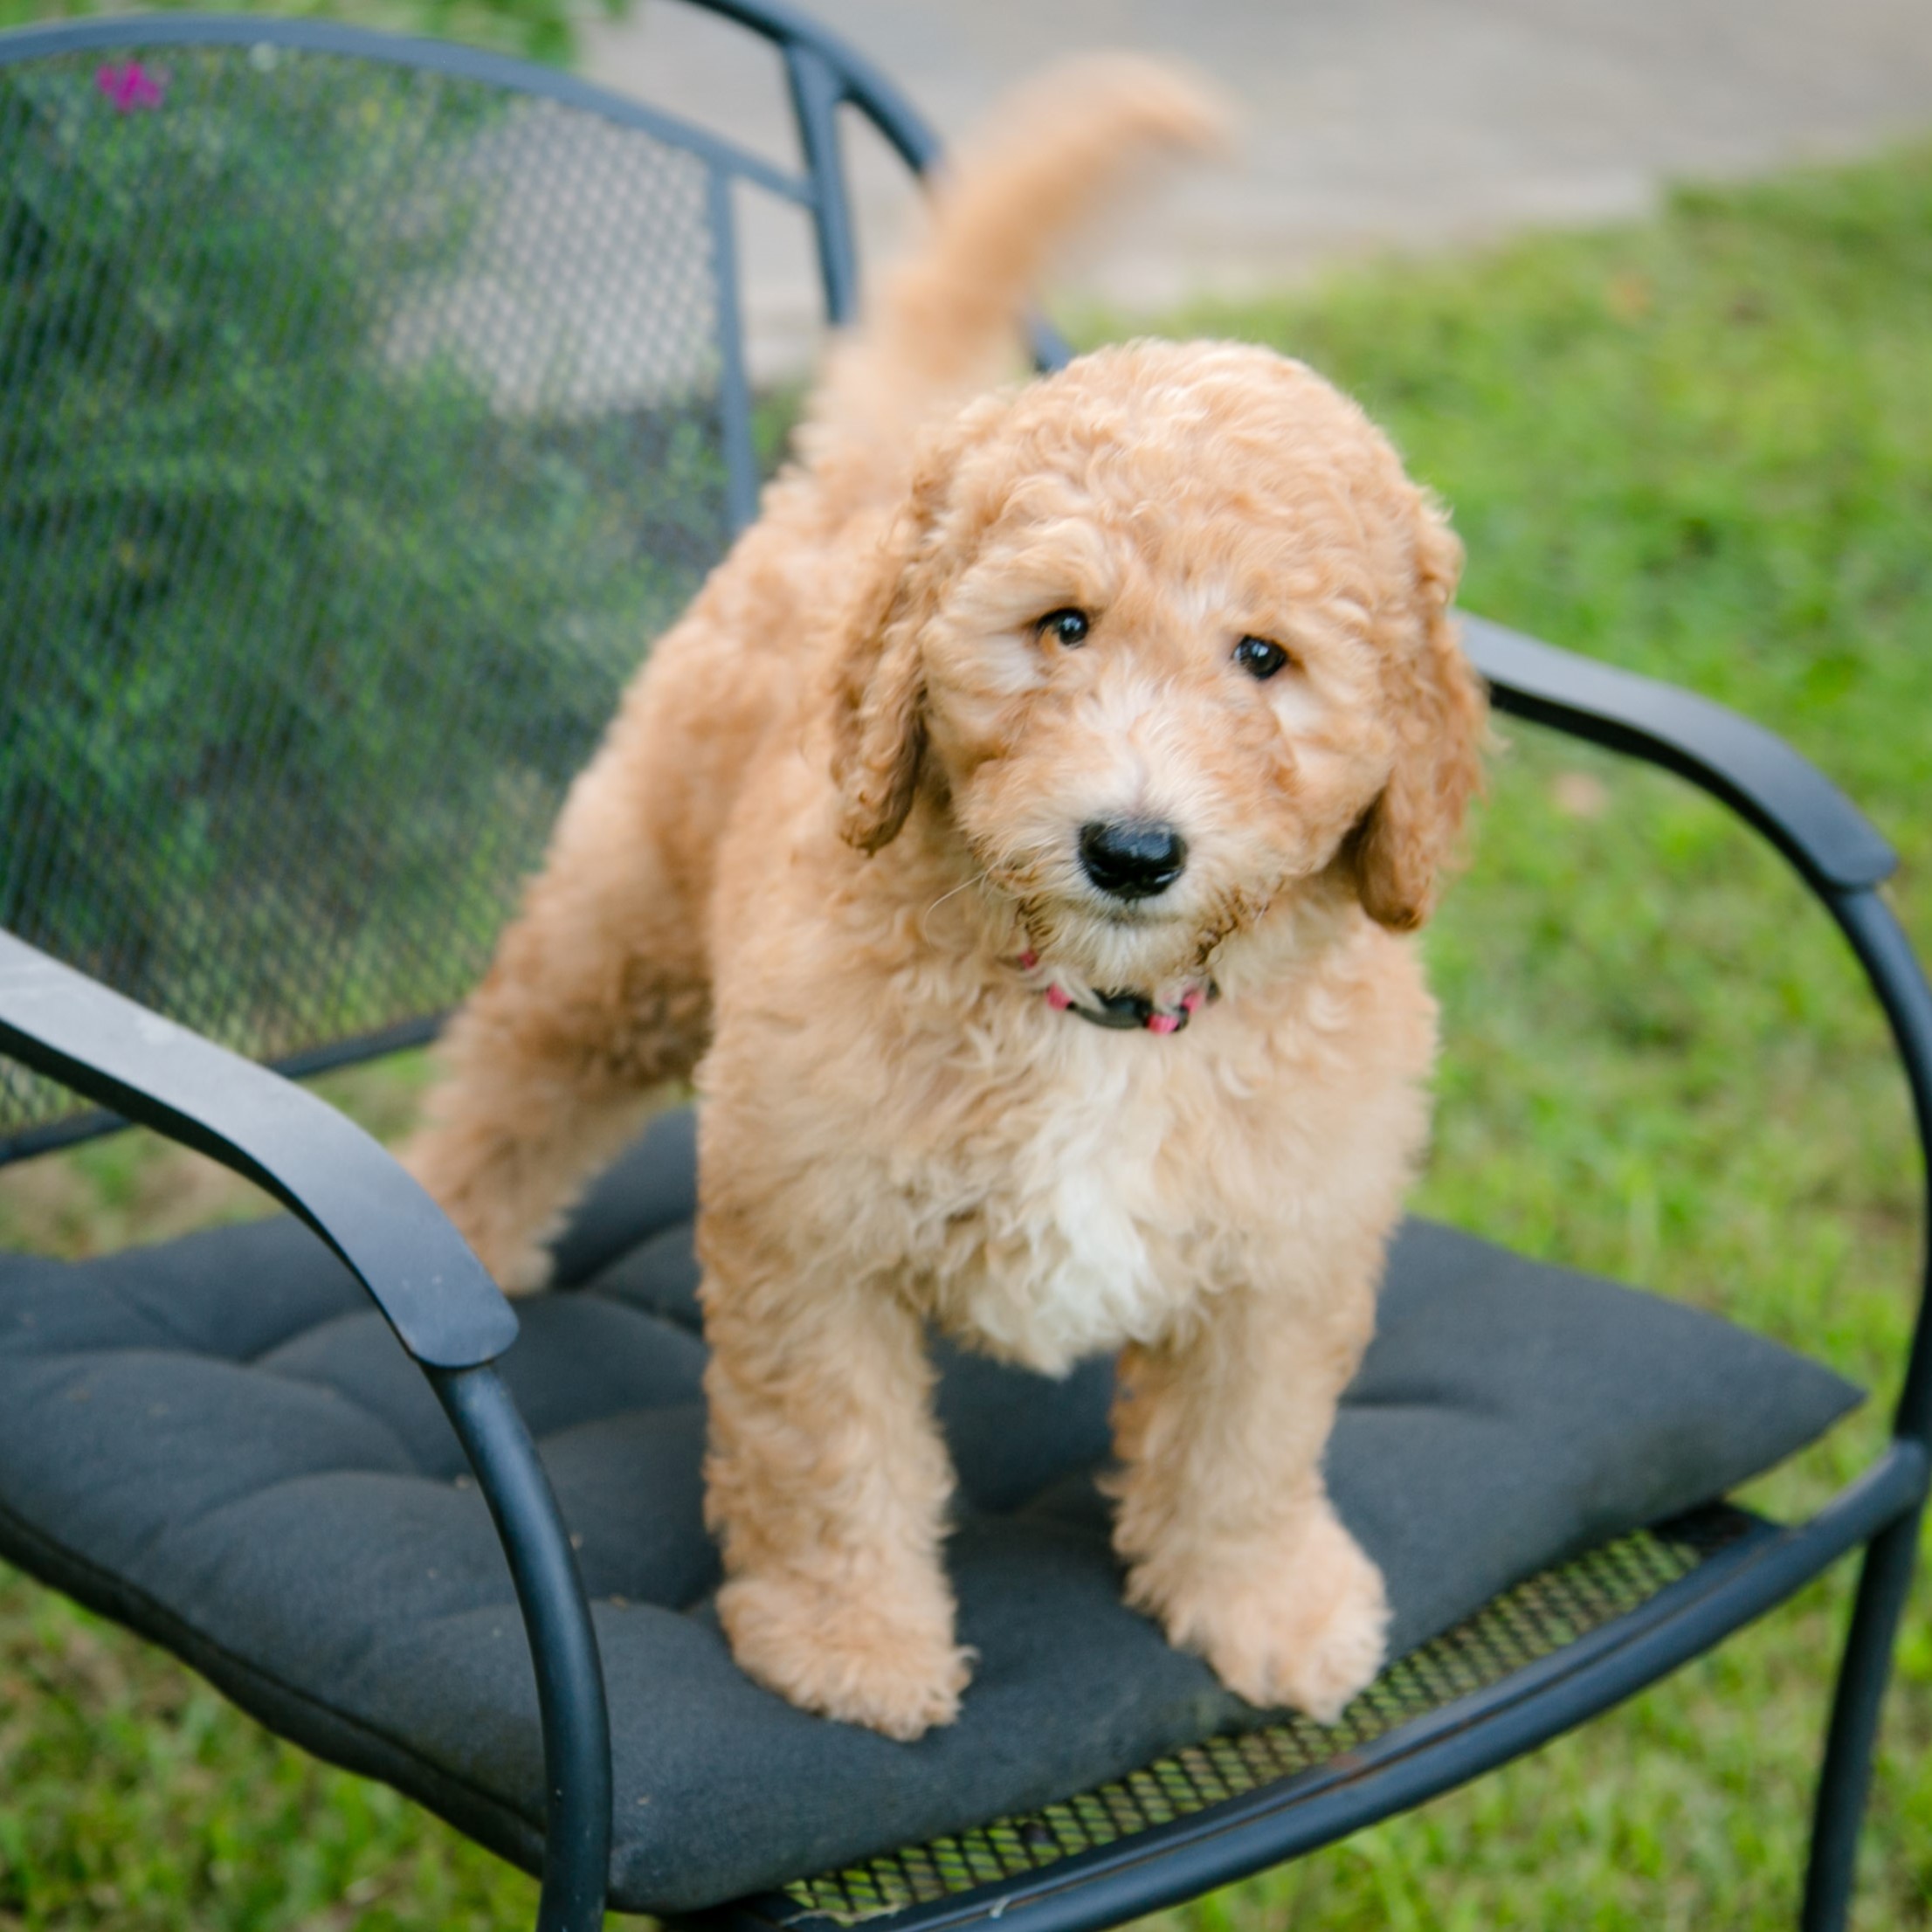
827,858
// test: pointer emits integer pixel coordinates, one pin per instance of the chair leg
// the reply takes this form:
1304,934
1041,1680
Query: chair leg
1845,1775
563,1644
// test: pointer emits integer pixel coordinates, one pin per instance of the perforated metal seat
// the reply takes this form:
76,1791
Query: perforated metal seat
364,406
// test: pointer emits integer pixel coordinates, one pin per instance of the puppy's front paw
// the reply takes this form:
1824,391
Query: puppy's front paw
1307,1627
893,1668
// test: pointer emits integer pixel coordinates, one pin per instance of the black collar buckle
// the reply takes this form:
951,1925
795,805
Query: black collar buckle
1124,1013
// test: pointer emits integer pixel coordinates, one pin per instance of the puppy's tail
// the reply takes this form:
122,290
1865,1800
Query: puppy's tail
945,322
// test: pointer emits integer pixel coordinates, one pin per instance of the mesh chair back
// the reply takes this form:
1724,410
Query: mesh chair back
365,409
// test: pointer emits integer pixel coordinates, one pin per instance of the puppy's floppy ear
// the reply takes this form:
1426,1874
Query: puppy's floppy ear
1404,838
877,719
879,695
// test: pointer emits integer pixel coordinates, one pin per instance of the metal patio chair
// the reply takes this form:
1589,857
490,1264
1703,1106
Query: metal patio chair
365,403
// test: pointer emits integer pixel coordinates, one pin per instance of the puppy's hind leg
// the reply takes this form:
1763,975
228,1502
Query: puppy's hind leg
596,996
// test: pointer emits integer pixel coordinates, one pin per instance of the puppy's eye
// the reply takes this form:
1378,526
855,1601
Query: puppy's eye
1068,627
1259,659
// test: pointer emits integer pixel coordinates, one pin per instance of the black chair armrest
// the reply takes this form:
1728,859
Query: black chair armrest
444,1308
1799,810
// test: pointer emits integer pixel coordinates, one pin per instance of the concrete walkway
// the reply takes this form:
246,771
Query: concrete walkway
1371,124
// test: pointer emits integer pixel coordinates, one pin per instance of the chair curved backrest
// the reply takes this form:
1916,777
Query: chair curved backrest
366,406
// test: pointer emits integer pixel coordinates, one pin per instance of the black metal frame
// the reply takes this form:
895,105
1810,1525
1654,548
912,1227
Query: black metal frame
453,1321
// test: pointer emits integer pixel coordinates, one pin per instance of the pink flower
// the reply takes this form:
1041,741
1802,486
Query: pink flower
129,87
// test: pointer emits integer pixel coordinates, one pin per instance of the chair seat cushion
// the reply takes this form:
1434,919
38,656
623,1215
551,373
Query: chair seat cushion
219,1442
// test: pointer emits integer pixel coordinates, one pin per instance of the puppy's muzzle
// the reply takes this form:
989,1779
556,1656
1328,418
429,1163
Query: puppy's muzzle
1133,859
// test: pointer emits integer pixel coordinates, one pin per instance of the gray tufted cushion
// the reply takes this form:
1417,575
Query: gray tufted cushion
218,1442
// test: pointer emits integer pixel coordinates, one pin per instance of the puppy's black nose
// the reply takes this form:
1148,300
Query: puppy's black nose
1134,860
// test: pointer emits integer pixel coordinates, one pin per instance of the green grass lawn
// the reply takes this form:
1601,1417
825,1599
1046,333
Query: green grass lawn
1702,447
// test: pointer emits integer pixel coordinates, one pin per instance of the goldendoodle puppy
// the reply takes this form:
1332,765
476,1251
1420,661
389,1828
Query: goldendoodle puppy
1019,839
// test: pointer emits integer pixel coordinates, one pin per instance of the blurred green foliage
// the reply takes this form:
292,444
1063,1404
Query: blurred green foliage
539,30
317,599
